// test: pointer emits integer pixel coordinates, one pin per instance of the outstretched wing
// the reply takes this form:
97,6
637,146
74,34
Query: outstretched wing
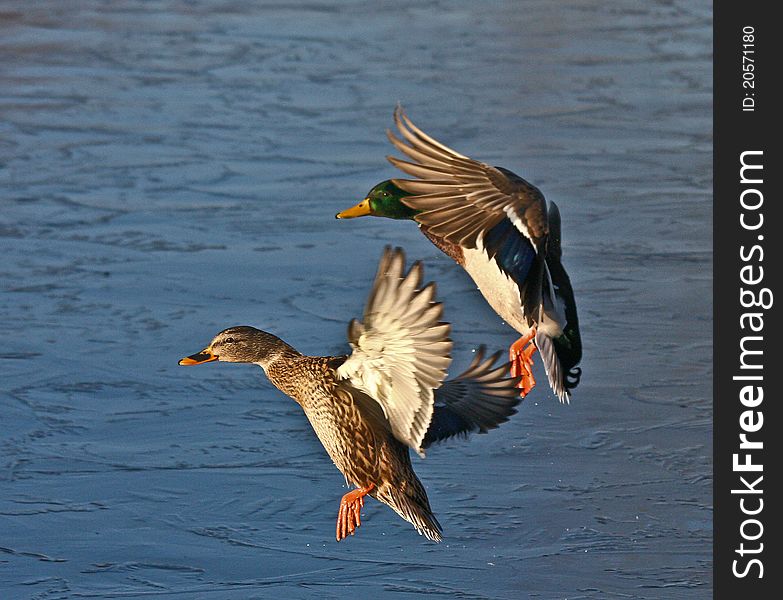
401,349
480,399
460,197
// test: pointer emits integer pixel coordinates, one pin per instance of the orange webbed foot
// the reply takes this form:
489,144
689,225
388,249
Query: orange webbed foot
521,359
349,515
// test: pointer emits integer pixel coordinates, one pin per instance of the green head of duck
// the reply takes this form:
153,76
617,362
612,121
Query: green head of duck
384,200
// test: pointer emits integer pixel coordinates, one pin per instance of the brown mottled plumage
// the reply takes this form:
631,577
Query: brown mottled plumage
355,435
454,251
368,408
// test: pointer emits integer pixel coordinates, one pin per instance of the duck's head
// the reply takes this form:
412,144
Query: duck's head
384,200
237,344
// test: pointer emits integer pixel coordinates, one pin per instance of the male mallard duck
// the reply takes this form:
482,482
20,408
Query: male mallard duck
497,226
369,407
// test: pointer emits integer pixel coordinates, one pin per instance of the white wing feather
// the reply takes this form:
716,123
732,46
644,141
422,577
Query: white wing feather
401,349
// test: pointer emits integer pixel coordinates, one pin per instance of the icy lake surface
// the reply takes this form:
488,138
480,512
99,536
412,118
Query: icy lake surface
170,169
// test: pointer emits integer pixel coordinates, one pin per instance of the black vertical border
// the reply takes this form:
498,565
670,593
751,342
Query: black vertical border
736,131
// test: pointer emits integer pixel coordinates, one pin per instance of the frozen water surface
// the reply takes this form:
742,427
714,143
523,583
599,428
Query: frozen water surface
170,169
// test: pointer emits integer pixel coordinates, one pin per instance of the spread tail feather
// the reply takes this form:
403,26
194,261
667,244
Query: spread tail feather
412,505
551,322
552,366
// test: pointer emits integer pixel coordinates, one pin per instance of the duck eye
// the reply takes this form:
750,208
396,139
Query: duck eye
229,340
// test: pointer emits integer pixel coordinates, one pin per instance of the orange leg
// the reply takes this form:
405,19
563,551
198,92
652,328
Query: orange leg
522,360
349,517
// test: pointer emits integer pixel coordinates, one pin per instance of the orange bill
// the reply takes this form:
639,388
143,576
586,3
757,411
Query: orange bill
360,210
196,359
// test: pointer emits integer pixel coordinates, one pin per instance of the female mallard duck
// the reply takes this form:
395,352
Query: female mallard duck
388,395
497,226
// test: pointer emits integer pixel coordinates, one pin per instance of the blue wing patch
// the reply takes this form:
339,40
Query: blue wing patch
512,251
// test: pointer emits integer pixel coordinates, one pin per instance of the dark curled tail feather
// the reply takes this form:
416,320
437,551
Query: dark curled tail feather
572,378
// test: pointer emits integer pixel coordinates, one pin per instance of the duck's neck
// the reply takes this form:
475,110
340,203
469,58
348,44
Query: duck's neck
275,351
